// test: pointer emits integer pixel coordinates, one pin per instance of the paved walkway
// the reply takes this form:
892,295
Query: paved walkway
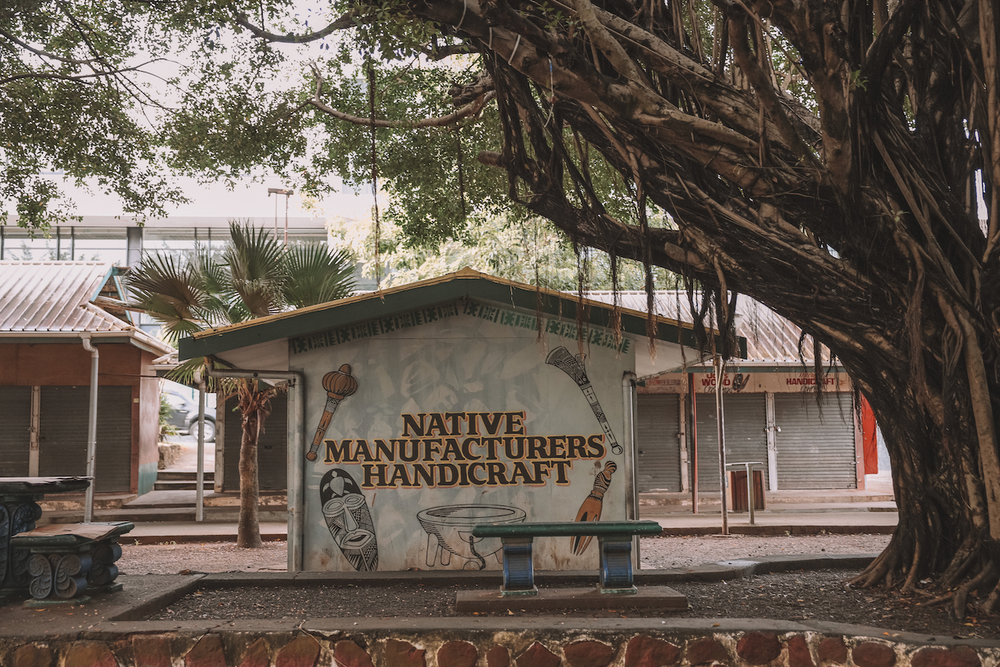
798,512
814,521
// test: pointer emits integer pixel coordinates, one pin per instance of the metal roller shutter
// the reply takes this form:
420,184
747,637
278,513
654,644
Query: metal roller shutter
272,462
65,413
15,424
745,437
658,452
815,444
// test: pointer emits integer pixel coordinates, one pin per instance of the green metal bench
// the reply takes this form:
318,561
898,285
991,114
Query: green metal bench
68,558
615,538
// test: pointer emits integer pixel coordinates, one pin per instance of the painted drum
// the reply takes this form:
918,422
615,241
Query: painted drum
449,532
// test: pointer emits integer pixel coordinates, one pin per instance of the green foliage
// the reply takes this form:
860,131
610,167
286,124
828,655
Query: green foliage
165,410
68,96
527,251
253,276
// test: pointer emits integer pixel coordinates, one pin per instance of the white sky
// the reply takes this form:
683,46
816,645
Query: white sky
248,200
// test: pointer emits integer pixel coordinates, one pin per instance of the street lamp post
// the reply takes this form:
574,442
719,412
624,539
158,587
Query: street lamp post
287,193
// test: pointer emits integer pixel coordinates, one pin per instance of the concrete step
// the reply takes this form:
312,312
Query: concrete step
163,514
67,501
188,497
182,485
183,475
772,498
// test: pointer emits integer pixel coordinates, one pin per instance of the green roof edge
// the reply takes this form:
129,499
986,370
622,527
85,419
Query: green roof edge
450,288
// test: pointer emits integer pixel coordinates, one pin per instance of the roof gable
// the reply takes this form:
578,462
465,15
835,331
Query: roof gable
57,299
464,284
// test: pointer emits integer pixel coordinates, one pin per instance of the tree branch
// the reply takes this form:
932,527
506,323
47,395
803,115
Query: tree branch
348,20
46,54
471,109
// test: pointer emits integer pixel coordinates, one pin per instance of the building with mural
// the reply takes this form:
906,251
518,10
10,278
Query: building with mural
420,411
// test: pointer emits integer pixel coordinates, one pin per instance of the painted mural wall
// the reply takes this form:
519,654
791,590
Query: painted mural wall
428,423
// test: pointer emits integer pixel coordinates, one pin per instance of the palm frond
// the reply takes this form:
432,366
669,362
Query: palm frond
164,286
256,269
316,274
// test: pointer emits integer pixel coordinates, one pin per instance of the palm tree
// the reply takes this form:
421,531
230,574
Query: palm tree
254,275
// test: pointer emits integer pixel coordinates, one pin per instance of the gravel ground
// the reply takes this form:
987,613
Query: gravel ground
820,595
657,553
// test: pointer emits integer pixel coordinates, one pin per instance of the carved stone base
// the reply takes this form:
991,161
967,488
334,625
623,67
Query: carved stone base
63,563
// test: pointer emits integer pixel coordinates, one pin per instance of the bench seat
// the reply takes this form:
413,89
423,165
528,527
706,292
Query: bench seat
614,537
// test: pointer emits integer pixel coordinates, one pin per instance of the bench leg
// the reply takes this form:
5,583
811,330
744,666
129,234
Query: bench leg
616,564
58,575
518,567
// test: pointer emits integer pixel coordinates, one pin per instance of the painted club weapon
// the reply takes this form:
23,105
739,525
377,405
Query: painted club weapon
573,367
339,385
592,505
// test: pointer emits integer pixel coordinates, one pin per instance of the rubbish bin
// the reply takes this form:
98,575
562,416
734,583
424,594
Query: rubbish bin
738,490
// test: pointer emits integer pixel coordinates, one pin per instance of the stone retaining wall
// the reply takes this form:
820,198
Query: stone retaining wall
539,643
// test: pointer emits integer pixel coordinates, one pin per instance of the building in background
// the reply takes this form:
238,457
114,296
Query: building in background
47,309
773,414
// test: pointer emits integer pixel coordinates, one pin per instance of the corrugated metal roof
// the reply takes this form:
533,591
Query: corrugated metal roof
770,337
54,298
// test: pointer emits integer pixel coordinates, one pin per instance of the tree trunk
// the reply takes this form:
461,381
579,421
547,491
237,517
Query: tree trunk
251,407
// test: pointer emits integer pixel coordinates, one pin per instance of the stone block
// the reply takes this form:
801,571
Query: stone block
152,650
650,652
588,654
832,650
705,651
208,652
538,656
870,654
457,654
89,654
758,648
498,656
799,654
300,652
960,656
348,654
403,654
257,655
33,655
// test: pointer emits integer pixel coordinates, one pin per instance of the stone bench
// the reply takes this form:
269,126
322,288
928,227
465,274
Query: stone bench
615,538
68,558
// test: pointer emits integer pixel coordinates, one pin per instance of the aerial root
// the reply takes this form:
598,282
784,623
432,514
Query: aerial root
911,578
959,604
873,573
941,599
990,604
963,559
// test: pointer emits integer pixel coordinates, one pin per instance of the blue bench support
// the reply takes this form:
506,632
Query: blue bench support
614,538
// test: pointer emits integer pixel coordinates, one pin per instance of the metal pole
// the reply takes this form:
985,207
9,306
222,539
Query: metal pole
296,452
287,197
199,495
631,494
721,431
287,193
694,444
88,508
